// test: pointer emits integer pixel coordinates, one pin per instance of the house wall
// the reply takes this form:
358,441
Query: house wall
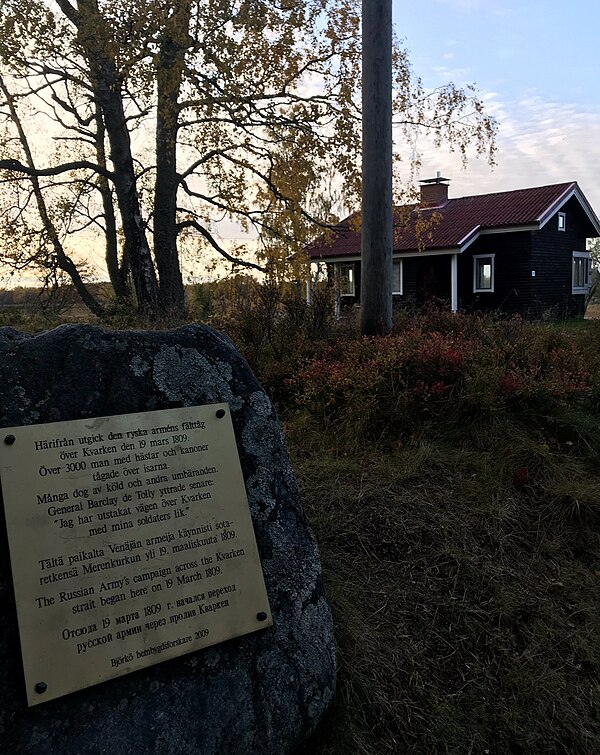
348,302
424,279
512,274
552,260
548,252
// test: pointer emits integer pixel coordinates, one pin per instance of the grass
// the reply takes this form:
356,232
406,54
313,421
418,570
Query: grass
461,544
465,598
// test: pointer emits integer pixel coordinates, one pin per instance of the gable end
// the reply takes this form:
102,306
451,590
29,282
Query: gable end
576,192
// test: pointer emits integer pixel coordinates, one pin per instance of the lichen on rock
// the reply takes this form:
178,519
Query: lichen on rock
264,692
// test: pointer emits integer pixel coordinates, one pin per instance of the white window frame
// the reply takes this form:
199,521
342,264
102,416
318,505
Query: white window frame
562,221
347,266
587,273
401,277
476,258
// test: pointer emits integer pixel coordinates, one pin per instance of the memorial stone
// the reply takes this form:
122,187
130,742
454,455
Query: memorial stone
264,691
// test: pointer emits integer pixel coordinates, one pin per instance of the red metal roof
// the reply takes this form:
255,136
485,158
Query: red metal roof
454,224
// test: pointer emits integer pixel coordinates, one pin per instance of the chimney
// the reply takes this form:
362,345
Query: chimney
434,191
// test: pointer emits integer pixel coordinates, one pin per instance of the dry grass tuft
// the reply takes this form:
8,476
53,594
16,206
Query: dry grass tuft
466,605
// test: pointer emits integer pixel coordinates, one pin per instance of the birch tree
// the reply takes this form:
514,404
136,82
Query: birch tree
153,120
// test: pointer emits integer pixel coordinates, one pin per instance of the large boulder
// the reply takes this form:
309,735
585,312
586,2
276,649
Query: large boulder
261,693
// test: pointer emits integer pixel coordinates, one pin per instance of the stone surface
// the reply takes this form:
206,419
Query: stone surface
262,693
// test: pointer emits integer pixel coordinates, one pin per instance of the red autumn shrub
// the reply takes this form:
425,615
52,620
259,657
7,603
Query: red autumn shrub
477,365
436,366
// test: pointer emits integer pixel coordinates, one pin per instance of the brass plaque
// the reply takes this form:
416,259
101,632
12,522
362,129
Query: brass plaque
130,541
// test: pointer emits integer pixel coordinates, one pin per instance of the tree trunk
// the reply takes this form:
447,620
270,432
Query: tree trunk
117,274
93,38
376,274
169,71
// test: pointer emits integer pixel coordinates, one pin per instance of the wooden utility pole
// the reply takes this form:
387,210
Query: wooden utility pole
376,272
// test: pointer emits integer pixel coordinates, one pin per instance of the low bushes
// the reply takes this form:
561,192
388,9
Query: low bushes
387,385
435,368
450,473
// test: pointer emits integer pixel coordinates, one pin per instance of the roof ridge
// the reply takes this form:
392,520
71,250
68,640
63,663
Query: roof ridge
516,191
425,208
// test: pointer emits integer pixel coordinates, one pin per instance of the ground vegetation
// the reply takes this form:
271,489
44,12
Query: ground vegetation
450,472
451,475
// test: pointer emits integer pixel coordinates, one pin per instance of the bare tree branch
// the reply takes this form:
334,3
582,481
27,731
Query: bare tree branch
217,247
17,166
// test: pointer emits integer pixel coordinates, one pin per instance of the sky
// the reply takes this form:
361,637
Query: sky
537,68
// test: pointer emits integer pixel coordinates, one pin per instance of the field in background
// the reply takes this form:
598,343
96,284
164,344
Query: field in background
451,475
35,308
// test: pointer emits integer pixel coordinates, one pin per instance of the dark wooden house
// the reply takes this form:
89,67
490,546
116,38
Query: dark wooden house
514,251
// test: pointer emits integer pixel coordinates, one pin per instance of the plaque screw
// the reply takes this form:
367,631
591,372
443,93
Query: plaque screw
220,413
41,687
262,616
9,440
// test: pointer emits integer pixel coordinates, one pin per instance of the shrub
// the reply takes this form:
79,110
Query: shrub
278,332
468,366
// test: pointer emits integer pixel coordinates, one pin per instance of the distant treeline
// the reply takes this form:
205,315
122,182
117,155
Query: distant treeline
33,296
203,300
19,297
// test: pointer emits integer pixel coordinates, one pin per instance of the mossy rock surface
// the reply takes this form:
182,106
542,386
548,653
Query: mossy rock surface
264,692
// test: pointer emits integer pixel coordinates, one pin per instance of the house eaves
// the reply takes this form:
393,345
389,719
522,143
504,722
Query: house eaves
328,260
510,229
470,238
426,252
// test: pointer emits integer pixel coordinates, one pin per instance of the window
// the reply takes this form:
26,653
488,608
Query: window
397,277
483,273
581,272
562,221
346,280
